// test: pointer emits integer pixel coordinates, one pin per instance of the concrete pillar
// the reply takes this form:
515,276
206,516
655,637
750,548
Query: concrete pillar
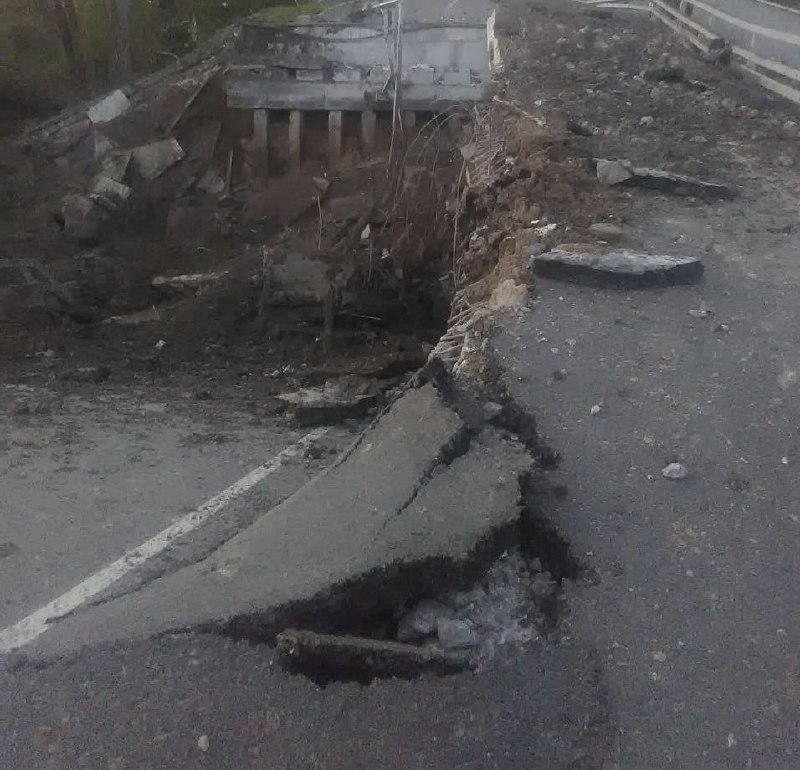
368,121
334,137
260,143
409,122
454,126
295,132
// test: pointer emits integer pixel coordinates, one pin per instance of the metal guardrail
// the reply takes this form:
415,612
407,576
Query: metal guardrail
764,38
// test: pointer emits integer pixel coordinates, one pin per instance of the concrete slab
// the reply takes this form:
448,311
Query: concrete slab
397,496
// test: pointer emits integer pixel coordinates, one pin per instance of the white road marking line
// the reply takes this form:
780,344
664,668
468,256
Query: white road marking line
28,629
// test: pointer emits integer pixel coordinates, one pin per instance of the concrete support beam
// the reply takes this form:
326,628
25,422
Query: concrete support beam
368,121
334,138
295,134
260,143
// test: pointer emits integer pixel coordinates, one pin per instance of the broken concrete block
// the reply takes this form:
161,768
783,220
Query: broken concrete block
102,146
509,295
459,77
115,166
154,159
82,217
619,268
109,108
114,191
612,172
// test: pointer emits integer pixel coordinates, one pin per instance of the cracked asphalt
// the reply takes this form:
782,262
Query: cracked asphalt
680,645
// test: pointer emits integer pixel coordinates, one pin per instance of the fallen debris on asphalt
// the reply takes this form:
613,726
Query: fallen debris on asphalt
618,268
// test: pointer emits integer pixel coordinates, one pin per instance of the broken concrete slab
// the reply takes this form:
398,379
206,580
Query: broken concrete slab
82,217
154,159
620,172
325,656
332,403
412,493
109,108
618,268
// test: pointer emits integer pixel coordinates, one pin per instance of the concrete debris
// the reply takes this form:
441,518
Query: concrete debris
334,402
115,166
371,658
613,172
619,268
134,319
455,634
509,295
211,182
102,146
607,232
109,108
422,620
82,217
154,159
111,190
203,743
68,136
175,284
675,472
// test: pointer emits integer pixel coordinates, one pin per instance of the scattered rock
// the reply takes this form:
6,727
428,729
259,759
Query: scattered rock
82,217
581,127
203,743
94,374
492,410
559,375
787,161
722,328
647,121
729,104
455,634
509,295
675,471
154,159
702,312
668,69
606,231
619,268
595,410
421,621
109,108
